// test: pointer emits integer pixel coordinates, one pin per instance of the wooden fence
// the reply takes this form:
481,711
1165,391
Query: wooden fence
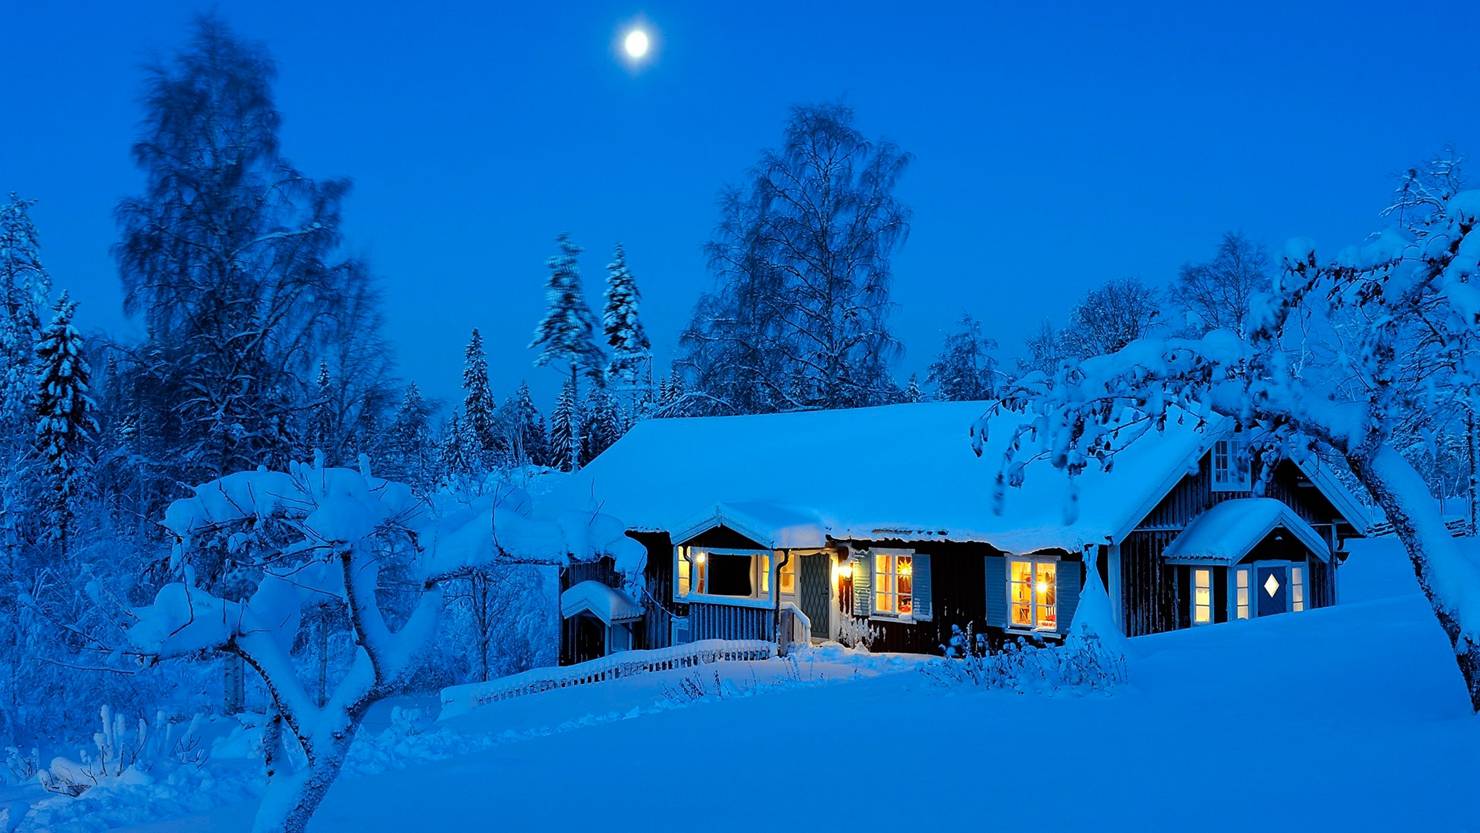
460,699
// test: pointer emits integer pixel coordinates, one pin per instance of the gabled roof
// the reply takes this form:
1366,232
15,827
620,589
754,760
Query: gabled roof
894,472
605,603
1231,529
772,525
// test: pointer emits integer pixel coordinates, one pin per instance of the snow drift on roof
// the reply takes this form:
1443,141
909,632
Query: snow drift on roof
1228,531
773,525
893,472
605,603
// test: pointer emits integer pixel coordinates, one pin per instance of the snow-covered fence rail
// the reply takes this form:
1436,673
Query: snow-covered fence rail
1458,527
462,698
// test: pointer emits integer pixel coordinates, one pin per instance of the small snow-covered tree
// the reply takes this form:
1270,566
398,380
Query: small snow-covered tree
564,442
65,421
1295,395
527,428
603,424
965,370
567,334
1042,352
631,351
480,412
321,422
333,532
410,449
912,390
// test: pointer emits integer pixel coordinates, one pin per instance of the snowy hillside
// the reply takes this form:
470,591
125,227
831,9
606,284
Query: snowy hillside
1359,700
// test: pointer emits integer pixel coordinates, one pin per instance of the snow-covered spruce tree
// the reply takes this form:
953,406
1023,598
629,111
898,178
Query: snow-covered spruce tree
912,392
334,532
410,450
603,424
480,412
64,419
965,370
527,428
455,458
567,335
321,433
1293,395
631,362
803,257
564,442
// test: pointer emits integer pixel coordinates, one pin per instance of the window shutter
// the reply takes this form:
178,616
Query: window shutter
997,591
1067,592
921,587
863,583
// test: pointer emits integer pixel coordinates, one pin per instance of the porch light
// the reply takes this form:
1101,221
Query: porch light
699,557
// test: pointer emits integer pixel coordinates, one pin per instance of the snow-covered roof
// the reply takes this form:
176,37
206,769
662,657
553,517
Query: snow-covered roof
1228,531
605,603
898,471
774,525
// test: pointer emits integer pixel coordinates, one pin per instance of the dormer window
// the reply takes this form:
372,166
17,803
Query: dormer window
1231,467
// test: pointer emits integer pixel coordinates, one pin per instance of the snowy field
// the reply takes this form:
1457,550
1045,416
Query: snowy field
1343,718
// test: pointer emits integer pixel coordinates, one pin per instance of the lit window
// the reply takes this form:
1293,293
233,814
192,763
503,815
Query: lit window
1230,467
893,584
1032,593
1241,593
1297,589
788,574
741,574
1202,596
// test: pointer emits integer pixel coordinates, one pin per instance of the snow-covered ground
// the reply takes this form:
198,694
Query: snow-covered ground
1344,718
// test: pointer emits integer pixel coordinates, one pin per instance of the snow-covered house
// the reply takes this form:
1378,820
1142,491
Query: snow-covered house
882,520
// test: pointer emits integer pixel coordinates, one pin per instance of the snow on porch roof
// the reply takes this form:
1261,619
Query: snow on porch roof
770,524
605,603
893,472
1228,531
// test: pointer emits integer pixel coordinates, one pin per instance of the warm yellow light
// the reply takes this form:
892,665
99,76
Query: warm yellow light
905,569
699,559
1041,587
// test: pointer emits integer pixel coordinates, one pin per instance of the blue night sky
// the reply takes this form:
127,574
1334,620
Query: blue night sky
1056,146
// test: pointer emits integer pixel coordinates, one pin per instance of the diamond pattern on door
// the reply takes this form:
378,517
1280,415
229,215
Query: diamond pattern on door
1272,585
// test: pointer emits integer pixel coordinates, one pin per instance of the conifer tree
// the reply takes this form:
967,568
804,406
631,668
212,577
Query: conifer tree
453,460
567,335
631,351
409,449
564,442
321,417
479,409
965,370
602,424
912,390
527,428
65,421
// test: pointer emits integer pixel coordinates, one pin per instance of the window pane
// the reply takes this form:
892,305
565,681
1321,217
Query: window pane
1047,591
789,574
763,567
683,574
1020,592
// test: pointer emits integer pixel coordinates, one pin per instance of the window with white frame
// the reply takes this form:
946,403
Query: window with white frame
736,574
1297,589
1241,581
1032,593
1230,467
894,579
1202,596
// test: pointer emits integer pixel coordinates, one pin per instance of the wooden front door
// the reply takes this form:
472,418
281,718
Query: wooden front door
1272,587
816,601
590,638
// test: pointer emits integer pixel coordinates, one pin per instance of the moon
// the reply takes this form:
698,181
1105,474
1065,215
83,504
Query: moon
636,44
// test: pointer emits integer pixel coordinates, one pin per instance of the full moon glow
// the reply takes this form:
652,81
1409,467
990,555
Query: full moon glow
636,44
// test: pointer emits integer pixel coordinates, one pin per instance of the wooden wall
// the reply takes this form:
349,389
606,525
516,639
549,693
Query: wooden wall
958,596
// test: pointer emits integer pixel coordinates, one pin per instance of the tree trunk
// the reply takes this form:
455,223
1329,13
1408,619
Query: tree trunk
1473,482
323,658
1444,573
292,798
234,696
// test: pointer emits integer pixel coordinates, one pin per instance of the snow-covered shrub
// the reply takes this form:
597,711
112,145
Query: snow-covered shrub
857,633
1080,664
696,686
20,766
156,748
